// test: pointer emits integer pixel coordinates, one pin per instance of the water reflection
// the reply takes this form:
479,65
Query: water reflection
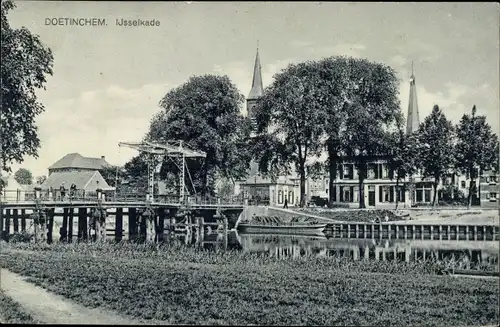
465,254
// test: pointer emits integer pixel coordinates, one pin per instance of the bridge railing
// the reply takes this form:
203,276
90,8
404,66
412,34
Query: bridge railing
20,196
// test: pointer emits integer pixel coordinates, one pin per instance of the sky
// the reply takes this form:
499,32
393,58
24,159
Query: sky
108,80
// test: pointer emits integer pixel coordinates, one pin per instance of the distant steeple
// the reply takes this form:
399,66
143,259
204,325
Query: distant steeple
257,89
413,121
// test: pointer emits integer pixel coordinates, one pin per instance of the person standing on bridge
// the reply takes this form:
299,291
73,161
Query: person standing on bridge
72,190
285,206
62,190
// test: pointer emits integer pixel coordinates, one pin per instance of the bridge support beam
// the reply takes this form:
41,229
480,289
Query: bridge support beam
40,226
100,225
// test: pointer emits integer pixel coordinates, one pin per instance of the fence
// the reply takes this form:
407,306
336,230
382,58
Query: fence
19,196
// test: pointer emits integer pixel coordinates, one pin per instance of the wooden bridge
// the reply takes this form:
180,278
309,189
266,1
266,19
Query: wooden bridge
101,215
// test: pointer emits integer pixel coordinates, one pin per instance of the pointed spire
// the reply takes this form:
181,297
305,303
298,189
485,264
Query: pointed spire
413,120
257,88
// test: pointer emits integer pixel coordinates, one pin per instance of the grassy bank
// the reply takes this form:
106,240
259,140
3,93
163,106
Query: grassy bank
12,313
186,286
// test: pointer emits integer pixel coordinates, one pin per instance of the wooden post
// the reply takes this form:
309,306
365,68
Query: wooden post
119,224
367,252
372,229
15,220
70,225
23,220
100,225
348,231
389,231
467,233
8,214
225,232
357,231
150,222
475,233
440,232
83,232
397,232
63,232
40,227
202,229
431,231
161,225
484,233
457,228
413,231
422,231
132,224
448,232
50,218
364,230
406,232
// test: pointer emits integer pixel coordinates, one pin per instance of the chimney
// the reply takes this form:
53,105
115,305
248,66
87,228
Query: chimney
103,157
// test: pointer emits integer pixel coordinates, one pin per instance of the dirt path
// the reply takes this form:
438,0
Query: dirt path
51,308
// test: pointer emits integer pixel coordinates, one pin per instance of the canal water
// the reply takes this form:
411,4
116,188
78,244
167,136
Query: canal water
462,254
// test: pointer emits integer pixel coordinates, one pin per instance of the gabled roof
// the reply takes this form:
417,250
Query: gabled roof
80,178
75,160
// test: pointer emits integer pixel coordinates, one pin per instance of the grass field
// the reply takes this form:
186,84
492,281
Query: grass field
12,313
187,286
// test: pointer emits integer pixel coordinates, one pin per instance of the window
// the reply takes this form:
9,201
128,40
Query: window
493,196
487,179
462,184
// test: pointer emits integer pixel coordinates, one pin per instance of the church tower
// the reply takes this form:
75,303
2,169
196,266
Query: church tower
257,88
413,120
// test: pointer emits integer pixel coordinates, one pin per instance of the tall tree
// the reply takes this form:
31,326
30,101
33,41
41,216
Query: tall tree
476,148
364,140
437,155
24,66
292,115
403,154
374,89
204,112
23,176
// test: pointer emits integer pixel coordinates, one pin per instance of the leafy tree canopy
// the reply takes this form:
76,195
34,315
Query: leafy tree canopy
24,66
291,113
477,145
436,152
205,114
23,176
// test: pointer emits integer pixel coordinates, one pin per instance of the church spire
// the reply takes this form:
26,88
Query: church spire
413,120
257,89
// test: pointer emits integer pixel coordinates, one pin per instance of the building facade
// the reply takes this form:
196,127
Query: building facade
380,189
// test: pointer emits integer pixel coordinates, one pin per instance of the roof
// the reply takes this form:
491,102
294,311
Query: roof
80,178
75,160
257,88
